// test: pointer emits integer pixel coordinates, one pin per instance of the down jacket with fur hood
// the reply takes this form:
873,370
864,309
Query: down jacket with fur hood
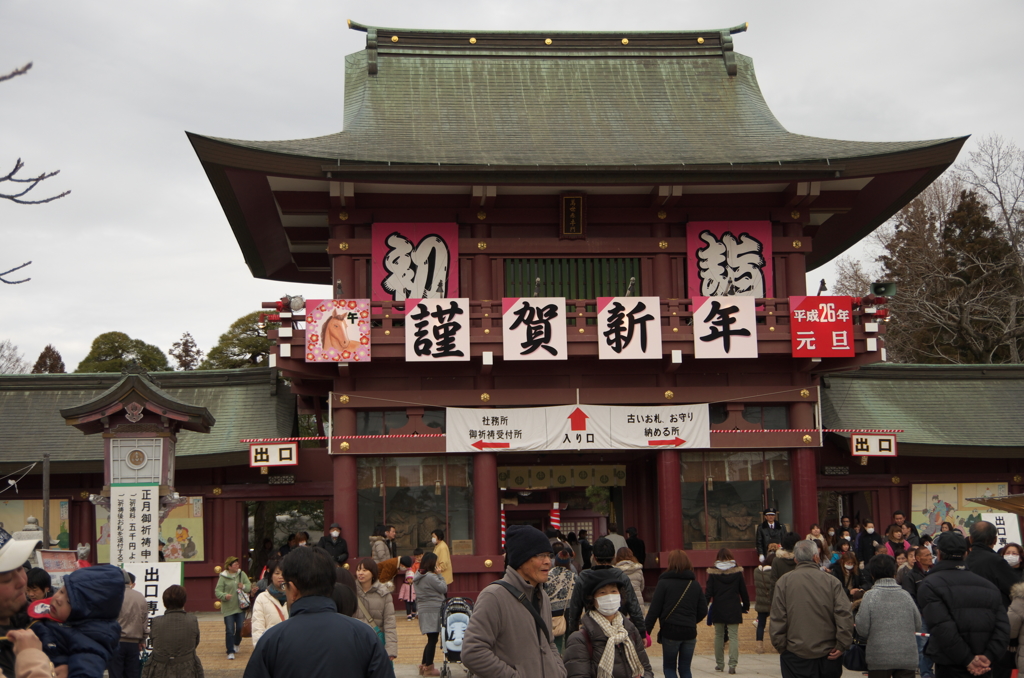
727,593
636,577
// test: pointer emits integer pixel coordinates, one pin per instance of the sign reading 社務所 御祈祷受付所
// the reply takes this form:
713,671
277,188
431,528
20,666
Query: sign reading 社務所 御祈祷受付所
577,427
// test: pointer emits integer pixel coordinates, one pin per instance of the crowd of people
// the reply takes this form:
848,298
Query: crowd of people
891,604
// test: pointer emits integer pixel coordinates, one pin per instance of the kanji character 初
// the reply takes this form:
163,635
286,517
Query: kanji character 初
622,325
419,272
537,320
721,321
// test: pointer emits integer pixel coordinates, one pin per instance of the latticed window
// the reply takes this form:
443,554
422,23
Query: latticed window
571,278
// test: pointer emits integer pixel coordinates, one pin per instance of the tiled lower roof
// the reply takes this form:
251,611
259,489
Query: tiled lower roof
961,405
247,403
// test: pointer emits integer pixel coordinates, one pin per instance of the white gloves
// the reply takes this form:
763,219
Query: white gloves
760,559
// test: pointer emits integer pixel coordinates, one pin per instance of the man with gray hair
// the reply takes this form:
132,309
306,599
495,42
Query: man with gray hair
812,624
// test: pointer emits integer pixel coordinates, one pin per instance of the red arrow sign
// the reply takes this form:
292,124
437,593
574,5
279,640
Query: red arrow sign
480,445
578,419
676,442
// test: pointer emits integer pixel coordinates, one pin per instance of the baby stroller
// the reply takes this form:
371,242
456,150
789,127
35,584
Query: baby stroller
455,614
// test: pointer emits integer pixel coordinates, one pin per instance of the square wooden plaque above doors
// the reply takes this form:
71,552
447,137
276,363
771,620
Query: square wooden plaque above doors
573,216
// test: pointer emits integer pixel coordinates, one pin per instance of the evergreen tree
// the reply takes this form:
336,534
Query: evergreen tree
186,352
49,362
112,351
245,344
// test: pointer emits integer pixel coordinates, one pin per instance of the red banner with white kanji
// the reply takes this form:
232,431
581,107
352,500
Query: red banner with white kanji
821,327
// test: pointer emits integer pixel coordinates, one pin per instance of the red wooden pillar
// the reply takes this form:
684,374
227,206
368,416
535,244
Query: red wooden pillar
487,518
662,267
670,499
346,487
796,264
803,472
482,265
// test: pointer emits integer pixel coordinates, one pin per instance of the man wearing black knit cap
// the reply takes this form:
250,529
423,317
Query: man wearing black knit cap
603,554
509,634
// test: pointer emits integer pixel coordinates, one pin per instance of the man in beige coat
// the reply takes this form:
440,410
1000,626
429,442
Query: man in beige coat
509,636
812,624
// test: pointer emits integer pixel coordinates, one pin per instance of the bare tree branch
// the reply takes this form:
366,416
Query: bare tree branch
16,72
32,183
16,268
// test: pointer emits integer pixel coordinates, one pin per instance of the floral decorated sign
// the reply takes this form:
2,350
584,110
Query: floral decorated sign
337,330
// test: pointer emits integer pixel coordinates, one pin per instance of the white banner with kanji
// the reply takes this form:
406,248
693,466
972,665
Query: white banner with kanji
151,580
134,528
577,427
724,327
534,328
821,327
437,330
629,327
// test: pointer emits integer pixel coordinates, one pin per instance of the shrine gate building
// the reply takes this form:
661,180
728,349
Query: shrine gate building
519,172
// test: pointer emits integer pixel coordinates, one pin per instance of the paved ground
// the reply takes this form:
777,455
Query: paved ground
410,647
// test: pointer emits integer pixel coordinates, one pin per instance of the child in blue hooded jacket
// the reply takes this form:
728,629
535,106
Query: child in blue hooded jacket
78,624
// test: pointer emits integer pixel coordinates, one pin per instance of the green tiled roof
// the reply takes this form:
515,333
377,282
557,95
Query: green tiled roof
246,403
587,99
963,405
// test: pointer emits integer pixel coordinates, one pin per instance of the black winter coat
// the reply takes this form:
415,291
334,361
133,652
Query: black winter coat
639,549
912,579
630,606
727,593
586,550
964,614
337,549
988,564
317,641
678,622
768,535
866,544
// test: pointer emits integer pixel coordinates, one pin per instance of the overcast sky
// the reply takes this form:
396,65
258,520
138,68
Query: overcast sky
142,246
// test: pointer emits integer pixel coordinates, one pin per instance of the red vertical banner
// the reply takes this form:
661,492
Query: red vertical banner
821,327
415,261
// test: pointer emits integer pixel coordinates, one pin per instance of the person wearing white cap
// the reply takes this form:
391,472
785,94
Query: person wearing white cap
13,585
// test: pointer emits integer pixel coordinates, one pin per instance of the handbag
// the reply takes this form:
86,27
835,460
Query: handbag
856,657
711,621
558,623
243,599
369,620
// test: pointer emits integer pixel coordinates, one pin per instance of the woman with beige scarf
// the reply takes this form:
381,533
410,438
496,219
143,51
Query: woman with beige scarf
607,644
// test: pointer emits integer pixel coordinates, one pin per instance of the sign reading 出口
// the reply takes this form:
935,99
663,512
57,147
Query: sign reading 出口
577,427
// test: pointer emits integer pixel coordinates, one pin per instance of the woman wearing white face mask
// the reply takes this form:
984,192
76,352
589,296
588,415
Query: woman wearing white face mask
607,644
1014,555
727,594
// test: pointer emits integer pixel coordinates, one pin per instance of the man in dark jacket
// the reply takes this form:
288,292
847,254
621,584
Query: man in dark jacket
964,613
604,553
586,550
770,532
636,545
988,564
335,545
316,641
867,541
911,580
